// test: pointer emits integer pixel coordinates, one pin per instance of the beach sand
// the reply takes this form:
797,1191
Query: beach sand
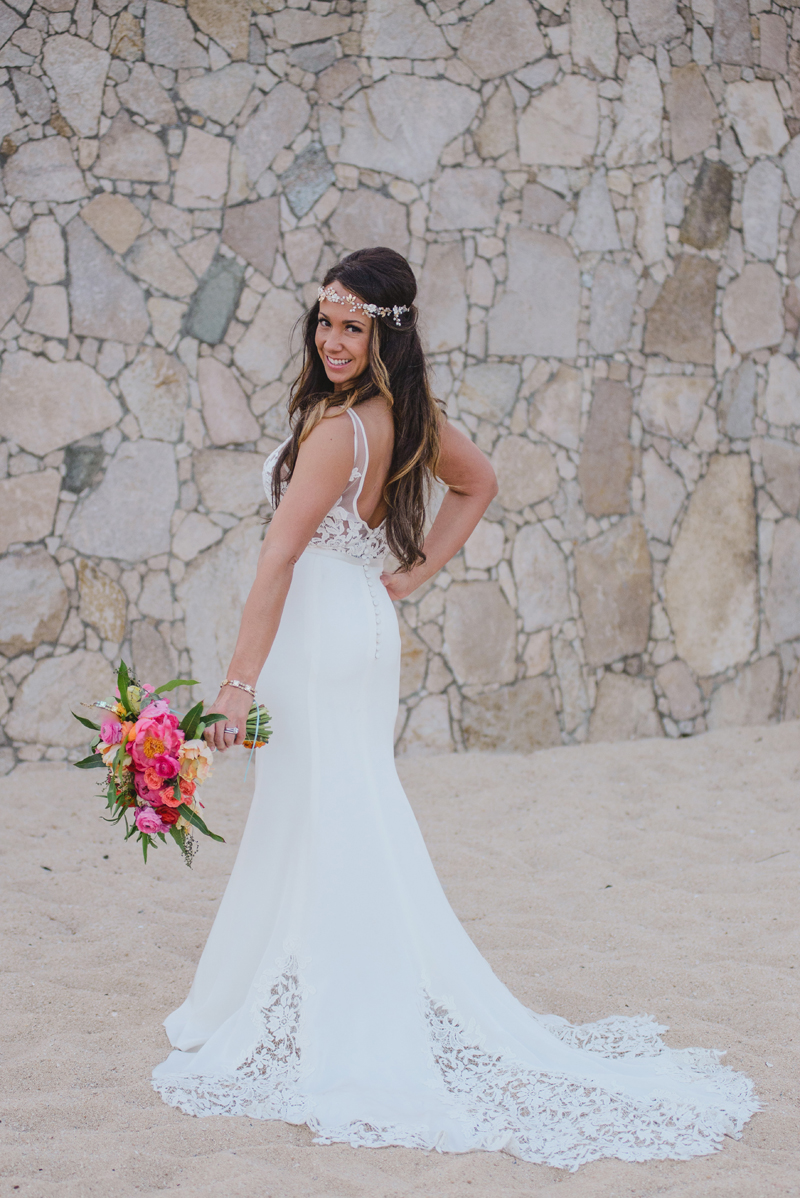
656,876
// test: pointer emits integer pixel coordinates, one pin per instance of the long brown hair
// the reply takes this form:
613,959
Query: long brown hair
397,372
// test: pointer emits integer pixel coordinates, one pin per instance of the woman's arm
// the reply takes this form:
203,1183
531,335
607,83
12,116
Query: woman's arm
471,487
321,473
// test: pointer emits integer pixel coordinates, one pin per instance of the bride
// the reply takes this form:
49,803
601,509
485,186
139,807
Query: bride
337,987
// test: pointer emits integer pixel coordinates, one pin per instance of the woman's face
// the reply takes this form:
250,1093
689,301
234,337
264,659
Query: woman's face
342,340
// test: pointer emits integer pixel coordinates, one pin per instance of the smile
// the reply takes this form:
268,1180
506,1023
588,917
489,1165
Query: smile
337,363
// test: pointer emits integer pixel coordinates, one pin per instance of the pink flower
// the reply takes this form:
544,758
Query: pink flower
156,708
111,732
157,744
148,822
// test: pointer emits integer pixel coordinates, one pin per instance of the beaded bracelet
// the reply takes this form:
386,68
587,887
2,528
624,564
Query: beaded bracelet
242,686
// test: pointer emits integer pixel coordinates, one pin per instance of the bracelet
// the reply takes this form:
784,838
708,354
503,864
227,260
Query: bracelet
242,686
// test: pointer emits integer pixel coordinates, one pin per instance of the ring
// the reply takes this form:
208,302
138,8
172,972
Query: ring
233,731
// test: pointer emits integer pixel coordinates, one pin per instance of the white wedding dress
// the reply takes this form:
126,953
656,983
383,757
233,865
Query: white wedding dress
338,988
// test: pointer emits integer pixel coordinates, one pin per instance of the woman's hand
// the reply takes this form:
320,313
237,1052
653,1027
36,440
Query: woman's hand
401,583
235,705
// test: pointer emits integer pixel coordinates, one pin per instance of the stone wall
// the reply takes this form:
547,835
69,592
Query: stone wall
601,201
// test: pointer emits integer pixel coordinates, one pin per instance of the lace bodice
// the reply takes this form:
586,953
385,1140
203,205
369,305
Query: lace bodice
343,530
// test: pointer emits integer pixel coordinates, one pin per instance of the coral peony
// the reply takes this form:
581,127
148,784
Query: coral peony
149,822
187,789
152,779
157,744
168,796
196,760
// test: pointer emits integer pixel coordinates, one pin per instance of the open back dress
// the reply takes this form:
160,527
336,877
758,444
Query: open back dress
337,987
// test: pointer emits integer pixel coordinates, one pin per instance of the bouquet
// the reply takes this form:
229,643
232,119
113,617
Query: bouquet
155,761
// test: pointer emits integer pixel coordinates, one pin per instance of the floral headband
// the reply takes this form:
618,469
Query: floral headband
357,305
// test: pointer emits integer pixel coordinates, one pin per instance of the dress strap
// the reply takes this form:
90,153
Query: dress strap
361,463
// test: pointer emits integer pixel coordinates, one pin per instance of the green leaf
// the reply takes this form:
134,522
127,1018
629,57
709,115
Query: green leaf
189,722
213,718
170,686
145,846
193,818
178,835
86,723
94,762
123,679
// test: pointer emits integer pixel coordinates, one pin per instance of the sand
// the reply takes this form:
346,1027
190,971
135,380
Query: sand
656,877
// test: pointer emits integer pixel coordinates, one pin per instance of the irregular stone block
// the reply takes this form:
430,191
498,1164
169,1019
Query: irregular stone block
216,301
593,37
737,404
489,390
155,390
606,462
44,170
625,710
82,463
502,37
44,251
753,697
401,29
540,573
338,78
201,180
710,580
49,312
556,408
637,137
541,320
115,219
143,93
497,132
484,547
195,533
413,660
682,692
781,462
670,404
772,35
226,21
664,495
752,312
275,123
541,206
559,127
266,346
128,516
105,300
77,70
155,597
757,118
761,209
28,503
574,700
297,27
302,248
793,249
595,226
613,579
526,473
9,117
220,95
515,719
780,606
229,481
708,212
103,603
428,729
169,37
466,198
153,657
732,42
442,297
693,114
33,96
403,123
44,405
33,601
9,21
42,710
307,179
480,633
127,42
252,230
212,593
655,21
680,323
227,416
782,394
648,204
13,288
127,151
153,259
613,300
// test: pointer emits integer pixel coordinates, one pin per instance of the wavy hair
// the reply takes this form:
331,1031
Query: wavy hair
397,372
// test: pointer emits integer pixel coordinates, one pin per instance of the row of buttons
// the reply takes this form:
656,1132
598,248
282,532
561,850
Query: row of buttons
373,596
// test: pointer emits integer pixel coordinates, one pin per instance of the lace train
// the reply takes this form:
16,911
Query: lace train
543,1117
